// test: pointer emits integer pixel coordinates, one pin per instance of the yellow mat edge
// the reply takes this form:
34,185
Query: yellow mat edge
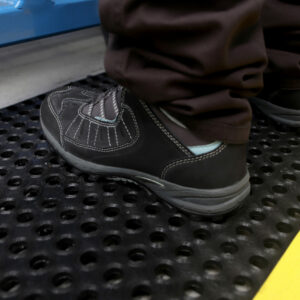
284,281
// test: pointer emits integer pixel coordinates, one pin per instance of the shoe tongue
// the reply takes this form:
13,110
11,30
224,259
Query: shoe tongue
107,106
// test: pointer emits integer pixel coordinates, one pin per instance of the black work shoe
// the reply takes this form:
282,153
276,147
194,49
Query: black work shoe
116,135
282,106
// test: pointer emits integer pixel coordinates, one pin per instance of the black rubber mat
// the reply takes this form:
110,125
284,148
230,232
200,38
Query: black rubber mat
72,236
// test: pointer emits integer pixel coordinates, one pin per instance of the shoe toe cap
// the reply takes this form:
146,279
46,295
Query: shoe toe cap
61,106
59,99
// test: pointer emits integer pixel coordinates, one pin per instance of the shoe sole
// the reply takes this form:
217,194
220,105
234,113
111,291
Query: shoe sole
287,116
206,202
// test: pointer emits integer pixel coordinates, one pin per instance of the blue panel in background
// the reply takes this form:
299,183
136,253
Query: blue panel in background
29,19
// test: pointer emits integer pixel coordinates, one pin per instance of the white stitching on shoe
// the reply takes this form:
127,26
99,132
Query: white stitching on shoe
113,149
116,135
96,134
77,129
164,130
101,103
192,160
115,106
108,136
89,113
71,124
90,109
97,121
132,140
88,136
126,128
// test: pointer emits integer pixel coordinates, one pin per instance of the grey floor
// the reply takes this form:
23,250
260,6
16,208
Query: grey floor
32,68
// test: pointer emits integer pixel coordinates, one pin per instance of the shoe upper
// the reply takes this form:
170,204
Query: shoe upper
117,129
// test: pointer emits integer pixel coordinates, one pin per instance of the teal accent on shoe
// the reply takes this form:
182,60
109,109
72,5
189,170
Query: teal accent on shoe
203,149
106,120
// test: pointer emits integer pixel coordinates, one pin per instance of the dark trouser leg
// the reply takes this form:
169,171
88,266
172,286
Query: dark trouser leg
105,34
281,20
198,59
